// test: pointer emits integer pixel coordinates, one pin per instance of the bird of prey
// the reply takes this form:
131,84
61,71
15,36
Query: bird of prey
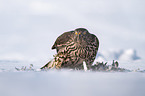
73,48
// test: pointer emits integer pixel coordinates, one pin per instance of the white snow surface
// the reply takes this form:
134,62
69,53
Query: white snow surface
28,29
66,83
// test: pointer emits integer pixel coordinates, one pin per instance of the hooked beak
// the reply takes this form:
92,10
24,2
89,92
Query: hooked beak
78,36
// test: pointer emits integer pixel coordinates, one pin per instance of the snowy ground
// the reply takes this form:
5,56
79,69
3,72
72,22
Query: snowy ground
65,83
28,29
71,83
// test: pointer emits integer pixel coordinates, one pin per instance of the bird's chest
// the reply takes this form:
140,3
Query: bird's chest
76,50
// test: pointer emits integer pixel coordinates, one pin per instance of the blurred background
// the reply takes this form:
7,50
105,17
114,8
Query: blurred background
28,28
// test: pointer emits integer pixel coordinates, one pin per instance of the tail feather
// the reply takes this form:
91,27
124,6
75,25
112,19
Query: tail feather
55,63
47,66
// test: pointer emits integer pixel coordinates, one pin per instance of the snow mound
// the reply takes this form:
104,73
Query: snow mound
129,54
122,55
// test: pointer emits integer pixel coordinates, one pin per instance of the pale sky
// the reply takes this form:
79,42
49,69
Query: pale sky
29,28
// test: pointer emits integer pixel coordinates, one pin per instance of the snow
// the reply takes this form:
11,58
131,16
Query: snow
69,83
129,55
28,29
123,55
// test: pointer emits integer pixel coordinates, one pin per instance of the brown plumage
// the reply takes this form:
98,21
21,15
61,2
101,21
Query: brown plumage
73,48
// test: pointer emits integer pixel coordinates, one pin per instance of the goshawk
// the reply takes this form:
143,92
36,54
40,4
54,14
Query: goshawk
73,48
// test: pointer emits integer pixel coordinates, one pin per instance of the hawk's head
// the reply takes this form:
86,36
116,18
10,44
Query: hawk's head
80,34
